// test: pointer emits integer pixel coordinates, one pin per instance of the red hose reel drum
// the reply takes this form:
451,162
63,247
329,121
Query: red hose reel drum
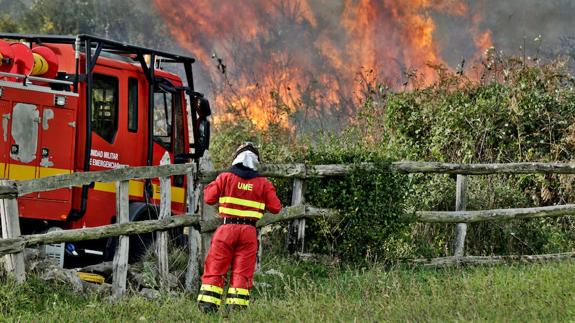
23,59
17,58
6,56
45,62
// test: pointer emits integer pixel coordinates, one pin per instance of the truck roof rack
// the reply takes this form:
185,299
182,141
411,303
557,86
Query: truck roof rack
106,45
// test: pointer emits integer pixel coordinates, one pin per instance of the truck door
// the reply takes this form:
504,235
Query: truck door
170,129
170,124
57,133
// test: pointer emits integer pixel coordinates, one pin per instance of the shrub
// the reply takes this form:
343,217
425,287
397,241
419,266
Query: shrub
372,223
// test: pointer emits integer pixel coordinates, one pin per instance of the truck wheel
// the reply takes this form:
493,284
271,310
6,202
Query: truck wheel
139,243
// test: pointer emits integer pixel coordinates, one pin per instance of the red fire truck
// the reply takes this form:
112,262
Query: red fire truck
84,103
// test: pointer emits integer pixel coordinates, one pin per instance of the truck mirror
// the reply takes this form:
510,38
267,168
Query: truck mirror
204,109
204,136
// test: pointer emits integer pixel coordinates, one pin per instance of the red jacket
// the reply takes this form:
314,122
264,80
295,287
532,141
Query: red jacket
241,197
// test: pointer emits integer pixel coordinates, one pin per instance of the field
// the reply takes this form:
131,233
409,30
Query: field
305,292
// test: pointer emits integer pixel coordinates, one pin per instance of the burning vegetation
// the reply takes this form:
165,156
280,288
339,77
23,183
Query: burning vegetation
281,62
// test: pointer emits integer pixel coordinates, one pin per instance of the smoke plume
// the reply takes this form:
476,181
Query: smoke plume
272,60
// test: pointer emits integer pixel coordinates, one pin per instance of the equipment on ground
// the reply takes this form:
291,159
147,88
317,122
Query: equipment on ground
91,278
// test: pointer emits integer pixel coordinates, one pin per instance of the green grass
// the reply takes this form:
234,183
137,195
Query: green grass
312,293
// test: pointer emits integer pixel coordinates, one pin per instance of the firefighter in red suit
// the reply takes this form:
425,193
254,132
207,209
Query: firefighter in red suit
243,196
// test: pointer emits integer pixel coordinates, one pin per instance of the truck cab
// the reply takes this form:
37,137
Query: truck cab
84,103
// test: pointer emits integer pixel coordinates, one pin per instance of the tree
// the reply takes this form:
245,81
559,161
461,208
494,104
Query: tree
132,21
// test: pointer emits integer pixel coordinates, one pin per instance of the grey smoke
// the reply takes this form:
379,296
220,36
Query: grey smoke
514,23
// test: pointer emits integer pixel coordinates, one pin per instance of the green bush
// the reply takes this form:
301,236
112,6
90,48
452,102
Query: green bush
372,223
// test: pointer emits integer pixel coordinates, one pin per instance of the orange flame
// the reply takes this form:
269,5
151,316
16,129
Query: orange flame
278,57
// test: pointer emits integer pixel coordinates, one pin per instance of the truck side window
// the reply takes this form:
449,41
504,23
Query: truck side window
132,104
163,118
105,106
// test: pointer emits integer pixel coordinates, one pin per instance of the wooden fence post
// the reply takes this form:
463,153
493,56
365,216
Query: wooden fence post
297,228
14,263
193,272
120,264
207,212
460,205
162,236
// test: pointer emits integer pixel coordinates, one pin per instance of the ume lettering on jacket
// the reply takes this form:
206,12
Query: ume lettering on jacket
245,187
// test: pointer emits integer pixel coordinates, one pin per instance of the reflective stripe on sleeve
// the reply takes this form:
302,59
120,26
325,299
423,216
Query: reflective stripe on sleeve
242,202
244,213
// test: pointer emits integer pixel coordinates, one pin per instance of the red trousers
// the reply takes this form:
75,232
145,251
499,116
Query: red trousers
235,245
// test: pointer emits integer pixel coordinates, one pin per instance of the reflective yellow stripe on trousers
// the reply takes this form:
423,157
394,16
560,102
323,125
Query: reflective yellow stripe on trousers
210,294
239,291
209,299
237,301
212,288
238,296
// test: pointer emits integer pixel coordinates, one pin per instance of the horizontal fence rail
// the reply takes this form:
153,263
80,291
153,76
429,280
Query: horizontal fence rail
495,214
289,213
14,245
492,260
106,176
19,188
319,171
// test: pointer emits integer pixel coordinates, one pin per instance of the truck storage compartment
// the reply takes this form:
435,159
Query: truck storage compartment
37,140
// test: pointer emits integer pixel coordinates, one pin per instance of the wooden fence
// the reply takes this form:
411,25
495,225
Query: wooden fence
460,217
200,224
